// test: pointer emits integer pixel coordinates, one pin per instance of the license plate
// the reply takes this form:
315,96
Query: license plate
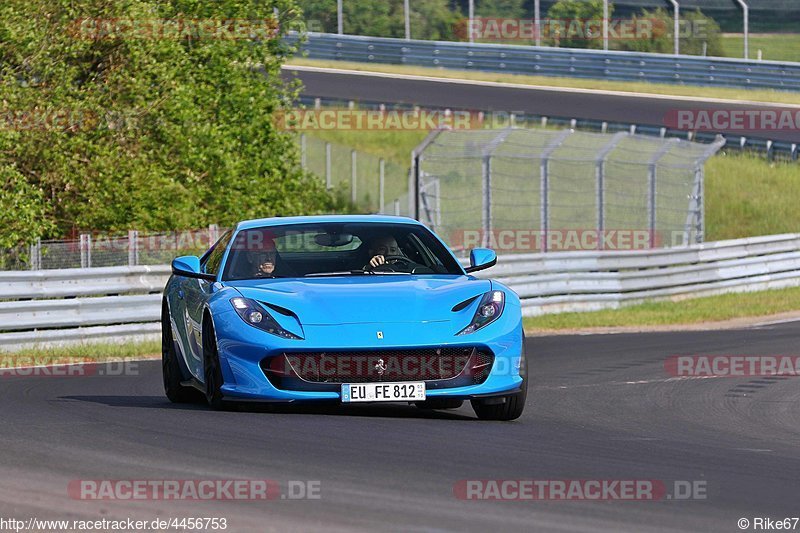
383,392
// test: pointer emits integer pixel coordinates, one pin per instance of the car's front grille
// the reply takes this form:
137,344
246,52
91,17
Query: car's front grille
440,367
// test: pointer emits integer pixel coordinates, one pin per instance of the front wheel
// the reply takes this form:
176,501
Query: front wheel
212,373
170,368
502,407
507,407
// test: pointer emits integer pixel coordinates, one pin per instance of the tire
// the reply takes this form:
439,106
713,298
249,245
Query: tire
507,407
170,368
440,403
212,373
510,409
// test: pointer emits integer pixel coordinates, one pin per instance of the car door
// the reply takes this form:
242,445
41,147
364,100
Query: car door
196,292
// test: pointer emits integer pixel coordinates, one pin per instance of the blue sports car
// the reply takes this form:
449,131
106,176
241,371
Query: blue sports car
343,309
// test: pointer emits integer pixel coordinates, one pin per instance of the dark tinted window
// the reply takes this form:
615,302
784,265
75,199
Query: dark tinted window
333,249
213,260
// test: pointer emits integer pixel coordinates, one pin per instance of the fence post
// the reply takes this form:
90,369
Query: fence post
381,184
415,173
36,255
701,204
600,173
486,186
213,234
303,151
699,187
486,200
438,189
133,248
86,250
353,176
397,207
328,165
652,183
544,185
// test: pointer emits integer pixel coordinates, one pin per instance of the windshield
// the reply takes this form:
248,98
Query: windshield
337,249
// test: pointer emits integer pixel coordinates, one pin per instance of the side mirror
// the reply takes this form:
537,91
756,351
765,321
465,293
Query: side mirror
481,259
189,266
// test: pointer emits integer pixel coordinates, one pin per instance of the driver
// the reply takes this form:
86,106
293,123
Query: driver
263,263
263,259
382,247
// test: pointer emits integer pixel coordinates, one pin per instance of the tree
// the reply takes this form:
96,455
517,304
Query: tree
23,211
696,28
430,19
500,8
157,125
575,24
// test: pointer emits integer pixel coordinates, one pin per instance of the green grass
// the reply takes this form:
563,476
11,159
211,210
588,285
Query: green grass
392,145
746,196
80,353
694,311
774,46
758,95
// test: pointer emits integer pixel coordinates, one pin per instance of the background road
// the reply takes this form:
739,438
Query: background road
599,407
645,110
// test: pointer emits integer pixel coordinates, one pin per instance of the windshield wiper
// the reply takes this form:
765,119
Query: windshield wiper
341,273
354,273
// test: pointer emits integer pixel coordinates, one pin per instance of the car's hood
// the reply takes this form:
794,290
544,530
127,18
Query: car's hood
365,299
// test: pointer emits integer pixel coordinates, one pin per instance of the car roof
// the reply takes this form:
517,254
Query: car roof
321,219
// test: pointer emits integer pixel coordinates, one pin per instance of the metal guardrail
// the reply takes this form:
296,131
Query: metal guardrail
561,62
77,282
586,281
123,303
54,307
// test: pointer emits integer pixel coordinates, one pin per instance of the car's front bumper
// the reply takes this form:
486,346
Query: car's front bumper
243,349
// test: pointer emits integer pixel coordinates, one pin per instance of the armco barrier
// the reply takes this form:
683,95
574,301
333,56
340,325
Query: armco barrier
54,307
586,281
115,304
561,62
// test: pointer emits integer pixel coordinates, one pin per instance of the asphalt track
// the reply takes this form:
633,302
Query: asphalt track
599,407
602,106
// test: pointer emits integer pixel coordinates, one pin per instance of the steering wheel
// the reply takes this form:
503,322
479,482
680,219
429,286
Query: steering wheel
393,260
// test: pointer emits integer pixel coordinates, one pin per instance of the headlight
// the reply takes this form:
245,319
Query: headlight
254,314
489,310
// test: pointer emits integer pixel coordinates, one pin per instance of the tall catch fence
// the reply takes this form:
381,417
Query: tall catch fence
515,190
370,183
523,190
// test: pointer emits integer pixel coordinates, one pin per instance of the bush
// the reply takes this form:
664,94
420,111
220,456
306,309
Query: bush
696,29
573,12
430,19
117,131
